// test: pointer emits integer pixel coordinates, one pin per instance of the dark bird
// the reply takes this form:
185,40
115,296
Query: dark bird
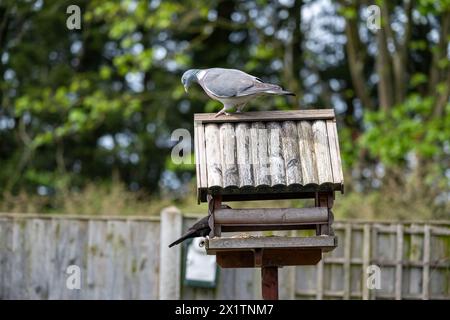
199,229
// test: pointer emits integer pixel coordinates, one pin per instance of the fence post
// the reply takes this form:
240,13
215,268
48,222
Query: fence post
170,258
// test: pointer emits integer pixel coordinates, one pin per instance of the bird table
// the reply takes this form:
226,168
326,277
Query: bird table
269,155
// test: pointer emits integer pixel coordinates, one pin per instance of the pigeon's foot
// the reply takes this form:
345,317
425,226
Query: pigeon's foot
238,111
221,112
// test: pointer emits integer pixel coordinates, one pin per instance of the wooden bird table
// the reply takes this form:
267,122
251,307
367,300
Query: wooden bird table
269,155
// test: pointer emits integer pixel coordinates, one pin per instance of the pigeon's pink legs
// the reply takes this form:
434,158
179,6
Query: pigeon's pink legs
222,112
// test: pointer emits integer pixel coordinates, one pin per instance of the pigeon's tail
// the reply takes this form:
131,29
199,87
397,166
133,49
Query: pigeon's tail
188,235
275,89
286,93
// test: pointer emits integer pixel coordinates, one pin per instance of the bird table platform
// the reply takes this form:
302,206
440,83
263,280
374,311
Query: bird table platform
268,155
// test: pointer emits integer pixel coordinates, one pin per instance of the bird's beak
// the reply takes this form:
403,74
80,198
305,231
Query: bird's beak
185,89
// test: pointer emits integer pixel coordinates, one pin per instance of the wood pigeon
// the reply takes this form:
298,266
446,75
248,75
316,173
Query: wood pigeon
233,88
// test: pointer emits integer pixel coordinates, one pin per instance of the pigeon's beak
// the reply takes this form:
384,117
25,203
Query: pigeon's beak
185,89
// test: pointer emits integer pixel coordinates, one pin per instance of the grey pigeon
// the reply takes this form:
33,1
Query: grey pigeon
199,229
233,88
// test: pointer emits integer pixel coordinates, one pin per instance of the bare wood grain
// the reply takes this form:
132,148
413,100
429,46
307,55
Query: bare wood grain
271,216
213,158
244,155
277,170
426,262
271,242
335,152
290,152
307,153
399,263
201,156
230,175
366,261
260,156
322,152
347,256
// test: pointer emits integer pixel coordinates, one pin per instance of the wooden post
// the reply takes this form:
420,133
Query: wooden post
269,282
170,258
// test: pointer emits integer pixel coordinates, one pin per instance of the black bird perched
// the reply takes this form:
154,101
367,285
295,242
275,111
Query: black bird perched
199,229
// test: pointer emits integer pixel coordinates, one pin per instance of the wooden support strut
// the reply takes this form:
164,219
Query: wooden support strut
325,199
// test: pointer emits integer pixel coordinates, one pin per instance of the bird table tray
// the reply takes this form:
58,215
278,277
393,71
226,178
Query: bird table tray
249,252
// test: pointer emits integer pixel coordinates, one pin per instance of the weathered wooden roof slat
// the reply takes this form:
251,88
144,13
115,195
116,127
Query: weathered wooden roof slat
289,152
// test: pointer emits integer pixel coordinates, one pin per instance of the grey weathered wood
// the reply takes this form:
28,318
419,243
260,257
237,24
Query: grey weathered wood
270,242
260,156
267,116
74,217
20,276
271,216
213,158
68,246
97,261
170,273
426,263
6,257
117,275
322,152
226,290
335,153
244,155
230,174
200,155
277,170
275,154
290,153
366,262
89,243
347,256
39,258
243,284
307,153
287,283
198,167
144,256
399,262
319,281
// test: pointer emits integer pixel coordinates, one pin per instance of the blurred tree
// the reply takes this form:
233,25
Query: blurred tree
77,106
406,121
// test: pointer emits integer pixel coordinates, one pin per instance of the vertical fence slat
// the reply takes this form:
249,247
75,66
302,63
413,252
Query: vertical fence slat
366,261
347,257
399,263
170,258
319,286
426,262
374,245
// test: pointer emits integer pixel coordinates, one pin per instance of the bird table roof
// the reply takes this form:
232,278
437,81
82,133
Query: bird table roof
267,155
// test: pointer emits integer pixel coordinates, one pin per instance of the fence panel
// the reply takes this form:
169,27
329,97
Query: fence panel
119,259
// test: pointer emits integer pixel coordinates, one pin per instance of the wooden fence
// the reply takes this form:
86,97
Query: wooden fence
119,258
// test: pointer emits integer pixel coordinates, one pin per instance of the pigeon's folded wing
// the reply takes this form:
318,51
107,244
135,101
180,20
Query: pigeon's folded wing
226,83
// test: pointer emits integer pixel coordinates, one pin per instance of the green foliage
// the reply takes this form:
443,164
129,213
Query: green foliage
408,127
77,105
